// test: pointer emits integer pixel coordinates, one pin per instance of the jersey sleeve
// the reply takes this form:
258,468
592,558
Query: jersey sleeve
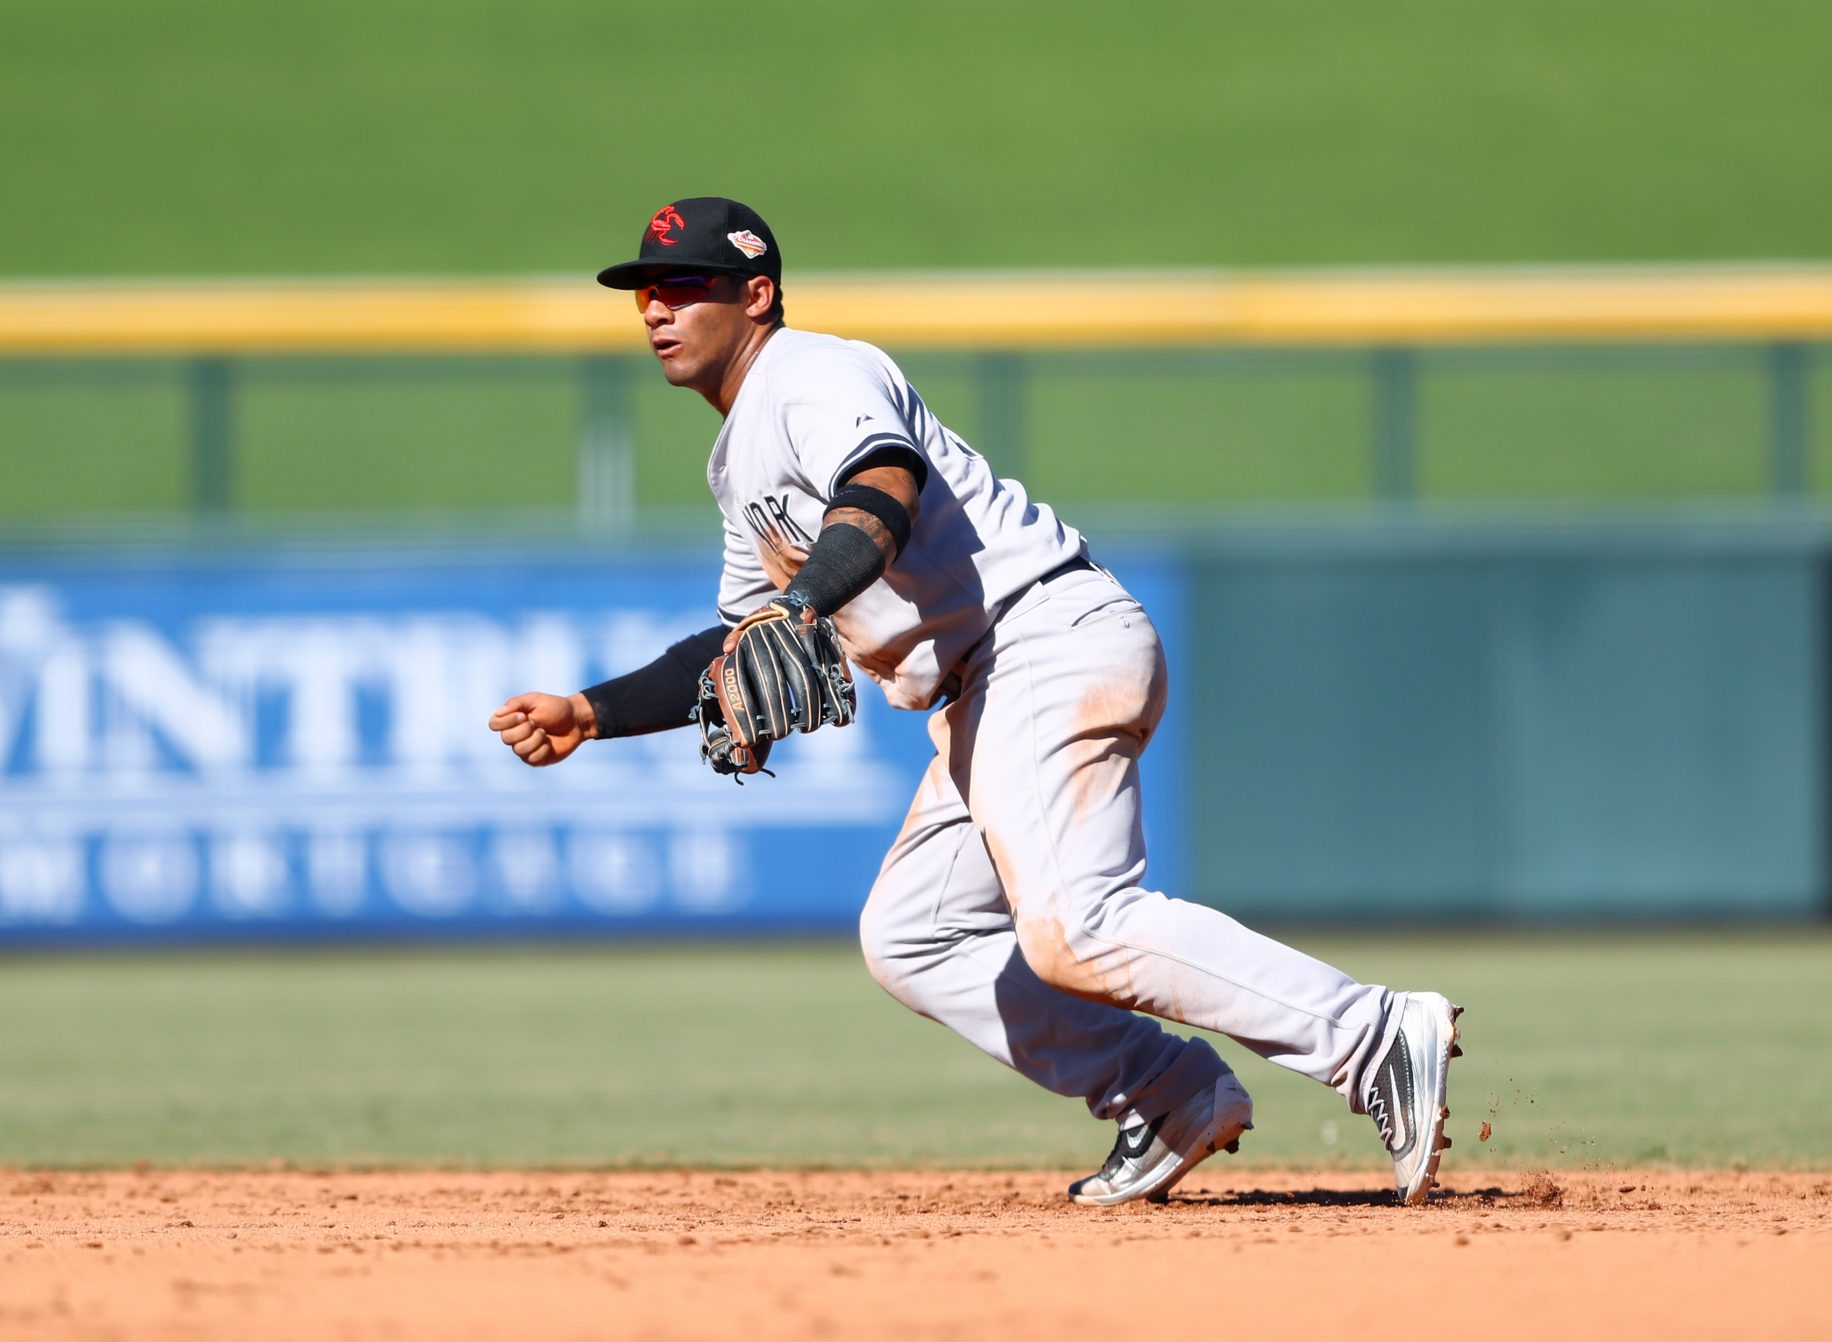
743,585
845,413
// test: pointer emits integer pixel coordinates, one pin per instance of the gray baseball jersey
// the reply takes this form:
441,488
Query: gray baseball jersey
1011,906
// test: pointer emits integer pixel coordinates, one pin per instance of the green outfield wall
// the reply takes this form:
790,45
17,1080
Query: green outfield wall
1511,719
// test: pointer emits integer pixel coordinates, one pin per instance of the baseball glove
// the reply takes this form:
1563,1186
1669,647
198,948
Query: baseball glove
783,676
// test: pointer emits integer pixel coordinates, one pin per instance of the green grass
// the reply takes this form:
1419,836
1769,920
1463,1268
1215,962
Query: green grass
97,443
466,136
498,435
1583,427
1606,1049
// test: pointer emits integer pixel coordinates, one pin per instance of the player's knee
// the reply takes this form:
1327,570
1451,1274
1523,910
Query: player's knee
1064,956
882,942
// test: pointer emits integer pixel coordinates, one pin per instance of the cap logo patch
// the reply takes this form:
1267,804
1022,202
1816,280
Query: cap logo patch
748,243
666,220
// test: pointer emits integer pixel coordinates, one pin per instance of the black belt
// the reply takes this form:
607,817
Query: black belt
1075,565
951,683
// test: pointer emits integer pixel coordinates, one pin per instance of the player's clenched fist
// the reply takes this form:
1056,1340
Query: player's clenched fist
543,728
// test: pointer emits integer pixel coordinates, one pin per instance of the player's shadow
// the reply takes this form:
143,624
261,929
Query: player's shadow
1344,1197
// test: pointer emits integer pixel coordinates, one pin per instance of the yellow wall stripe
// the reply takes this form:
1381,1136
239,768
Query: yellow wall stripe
1082,310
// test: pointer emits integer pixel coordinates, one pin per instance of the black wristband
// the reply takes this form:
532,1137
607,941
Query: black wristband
841,564
887,508
661,694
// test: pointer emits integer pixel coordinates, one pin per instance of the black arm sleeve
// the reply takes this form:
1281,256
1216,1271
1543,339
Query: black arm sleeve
840,565
661,694
845,560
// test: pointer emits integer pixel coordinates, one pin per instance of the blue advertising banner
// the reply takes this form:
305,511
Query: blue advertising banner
277,745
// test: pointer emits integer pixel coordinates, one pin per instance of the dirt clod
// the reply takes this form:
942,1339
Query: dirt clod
1541,1191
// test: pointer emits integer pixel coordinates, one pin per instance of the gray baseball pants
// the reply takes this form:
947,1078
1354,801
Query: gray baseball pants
1010,907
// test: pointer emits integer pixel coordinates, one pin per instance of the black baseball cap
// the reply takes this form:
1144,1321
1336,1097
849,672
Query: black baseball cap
700,234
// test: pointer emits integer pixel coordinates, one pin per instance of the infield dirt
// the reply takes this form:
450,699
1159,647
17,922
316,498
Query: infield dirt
930,1255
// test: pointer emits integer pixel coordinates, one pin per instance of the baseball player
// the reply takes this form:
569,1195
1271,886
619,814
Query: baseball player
858,527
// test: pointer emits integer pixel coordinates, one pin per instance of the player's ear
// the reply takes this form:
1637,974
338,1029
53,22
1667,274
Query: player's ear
759,296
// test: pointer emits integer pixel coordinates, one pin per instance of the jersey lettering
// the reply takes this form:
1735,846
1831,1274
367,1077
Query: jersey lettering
771,521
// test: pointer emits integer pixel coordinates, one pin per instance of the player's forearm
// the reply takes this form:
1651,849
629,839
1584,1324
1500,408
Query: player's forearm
875,531
654,698
863,532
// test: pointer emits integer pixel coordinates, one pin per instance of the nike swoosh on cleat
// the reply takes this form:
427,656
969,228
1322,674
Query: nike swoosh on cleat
1399,1116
